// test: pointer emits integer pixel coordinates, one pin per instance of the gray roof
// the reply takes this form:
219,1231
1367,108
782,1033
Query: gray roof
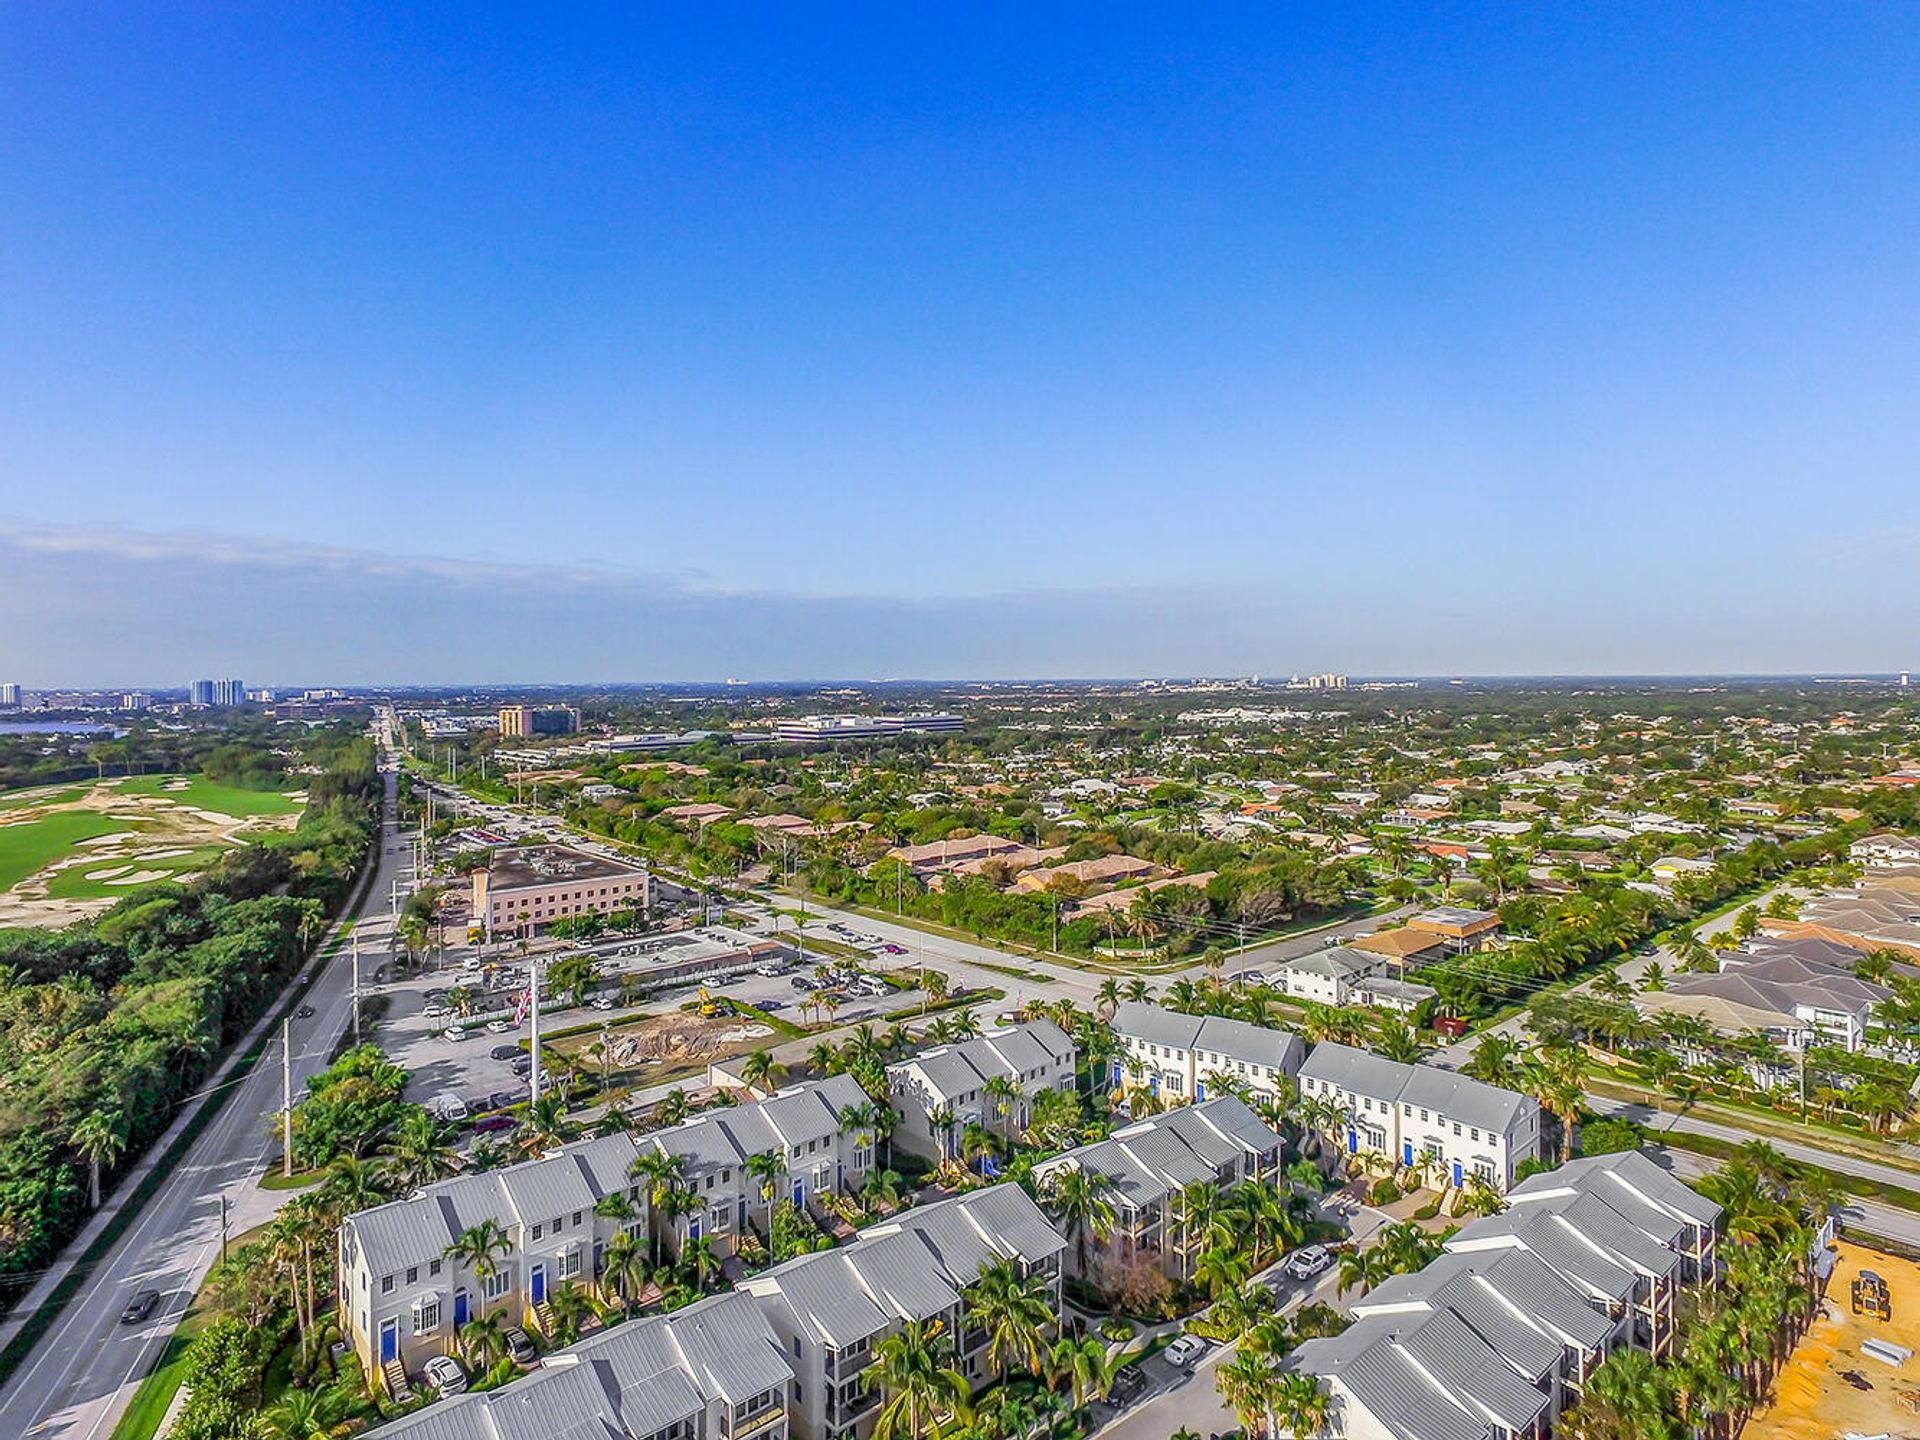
1628,1181
1237,1039
951,1071
1361,1072
909,1268
1183,1146
635,1379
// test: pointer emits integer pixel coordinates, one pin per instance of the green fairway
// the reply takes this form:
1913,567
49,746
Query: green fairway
205,795
76,882
33,844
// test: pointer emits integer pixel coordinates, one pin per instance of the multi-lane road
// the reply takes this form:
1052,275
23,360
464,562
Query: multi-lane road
78,1379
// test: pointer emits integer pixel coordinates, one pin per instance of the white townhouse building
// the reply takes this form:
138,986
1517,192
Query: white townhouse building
828,1310
1178,1053
1500,1334
1217,1143
939,1092
712,1371
800,1125
1422,1116
403,1299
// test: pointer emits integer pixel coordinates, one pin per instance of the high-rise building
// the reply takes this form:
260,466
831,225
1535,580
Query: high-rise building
523,720
200,692
9,696
229,692
136,700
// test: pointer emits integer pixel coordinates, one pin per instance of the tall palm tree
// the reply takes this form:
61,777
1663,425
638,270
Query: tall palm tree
480,1249
1081,1201
926,1395
485,1339
354,1184
1299,1407
672,1108
760,1070
1084,1365
417,1154
570,1307
546,1127
1251,1384
769,1168
1015,1313
623,1269
101,1138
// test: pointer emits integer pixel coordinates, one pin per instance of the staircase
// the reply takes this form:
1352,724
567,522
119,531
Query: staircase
395,1376
543,1318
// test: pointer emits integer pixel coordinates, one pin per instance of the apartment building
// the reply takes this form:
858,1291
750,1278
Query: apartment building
404,1299
523,889
939,1092
1180,1056
519,721
800,1125
712,1371
831,1308
1217,1143
1499,1335
1422,1116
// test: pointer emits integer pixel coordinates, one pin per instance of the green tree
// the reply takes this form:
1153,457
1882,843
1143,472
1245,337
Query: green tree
925,1395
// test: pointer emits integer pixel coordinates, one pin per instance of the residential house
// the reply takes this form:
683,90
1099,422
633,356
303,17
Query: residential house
1178,1055
1217,1144
830,1309
1423,1117
712,1371
939,1092
1459,930
1885,847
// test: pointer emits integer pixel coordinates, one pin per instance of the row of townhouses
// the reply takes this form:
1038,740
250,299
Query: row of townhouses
1153,1163
939,1092
404,1297
1180,1055
1495,1338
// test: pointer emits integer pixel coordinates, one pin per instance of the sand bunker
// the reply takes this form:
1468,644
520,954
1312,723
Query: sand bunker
141,877
108,874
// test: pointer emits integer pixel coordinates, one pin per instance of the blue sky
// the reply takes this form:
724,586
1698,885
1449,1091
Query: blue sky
1386,339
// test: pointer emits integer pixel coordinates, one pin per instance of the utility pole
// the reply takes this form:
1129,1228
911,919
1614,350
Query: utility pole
286,1097
533,1033
356,989
223,1229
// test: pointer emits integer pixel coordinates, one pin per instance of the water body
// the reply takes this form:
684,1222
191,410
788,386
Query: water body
58,727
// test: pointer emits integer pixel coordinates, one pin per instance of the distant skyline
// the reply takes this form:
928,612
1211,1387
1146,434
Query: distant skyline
635,343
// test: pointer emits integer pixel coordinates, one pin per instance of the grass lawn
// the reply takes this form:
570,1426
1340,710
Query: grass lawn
42,795
202,794
32,845
73,882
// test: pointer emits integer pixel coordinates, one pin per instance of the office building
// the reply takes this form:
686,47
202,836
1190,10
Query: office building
136,700
522,891
200,692
818,729
518,721
228,693
9,696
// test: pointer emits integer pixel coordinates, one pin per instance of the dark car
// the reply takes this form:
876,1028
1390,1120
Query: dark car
493,1124
501,1099
1856,1379
504,1052
1128,1386
140,1307
306,1012
523,1065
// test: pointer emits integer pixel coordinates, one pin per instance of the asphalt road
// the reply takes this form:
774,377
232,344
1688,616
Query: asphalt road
85,1369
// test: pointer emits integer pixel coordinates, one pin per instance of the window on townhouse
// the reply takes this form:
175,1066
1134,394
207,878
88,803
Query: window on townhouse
576,1217
1456,1129
386,1284
556,1225
426,1315
538,1230
498,1283
413,1274
433,1267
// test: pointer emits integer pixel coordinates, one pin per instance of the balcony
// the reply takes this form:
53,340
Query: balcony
756,1424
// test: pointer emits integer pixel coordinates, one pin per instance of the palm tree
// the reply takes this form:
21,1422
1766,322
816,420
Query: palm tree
353,1184
100,1137
1251,1384
760,1070
1300,1407
1625,1399
1221,1268
485,1339
416,1153
768,1167
546,1126
672,1108
700,1259
480,1248
1494,1059
306,1415
1084,1365
666,1175
1015,1313
1081,1202
623,1268
926,1395
570,1306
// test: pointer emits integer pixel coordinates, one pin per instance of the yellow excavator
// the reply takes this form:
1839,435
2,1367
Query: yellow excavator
713,1005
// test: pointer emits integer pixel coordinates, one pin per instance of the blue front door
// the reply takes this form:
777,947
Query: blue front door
1199,1091
389,1340
693,1227
1353,1142
1408,1160
460,1315
1456,1174
799,1194
539,1283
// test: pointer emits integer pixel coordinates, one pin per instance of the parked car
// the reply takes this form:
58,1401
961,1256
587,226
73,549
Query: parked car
1308,1261
1184,1351
449,1108
444,1374
437,1011
504,1052
602,1002
493,1124
503,1099
499,1027
139,1307
523,1065
521,1348
1128,1386
453,1032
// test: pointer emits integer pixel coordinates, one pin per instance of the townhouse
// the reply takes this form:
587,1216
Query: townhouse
1421,1116
1217,1143
1183,1056
1501,1333
939,1092
713,1371
404,1298
830,1309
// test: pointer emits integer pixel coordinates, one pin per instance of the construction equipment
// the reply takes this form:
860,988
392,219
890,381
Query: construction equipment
1871,1296
712,1005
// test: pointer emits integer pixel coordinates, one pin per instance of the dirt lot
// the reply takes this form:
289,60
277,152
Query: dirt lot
1811,1401
72,851
674,1040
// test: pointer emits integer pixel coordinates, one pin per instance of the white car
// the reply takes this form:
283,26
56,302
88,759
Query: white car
1307,1262
453,1032
498,1027
1184,1351
444,1374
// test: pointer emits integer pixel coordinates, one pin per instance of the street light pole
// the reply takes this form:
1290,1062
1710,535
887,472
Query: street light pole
286,1097
533,1033
356,989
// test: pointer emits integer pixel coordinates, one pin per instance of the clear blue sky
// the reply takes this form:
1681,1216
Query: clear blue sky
1113,340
